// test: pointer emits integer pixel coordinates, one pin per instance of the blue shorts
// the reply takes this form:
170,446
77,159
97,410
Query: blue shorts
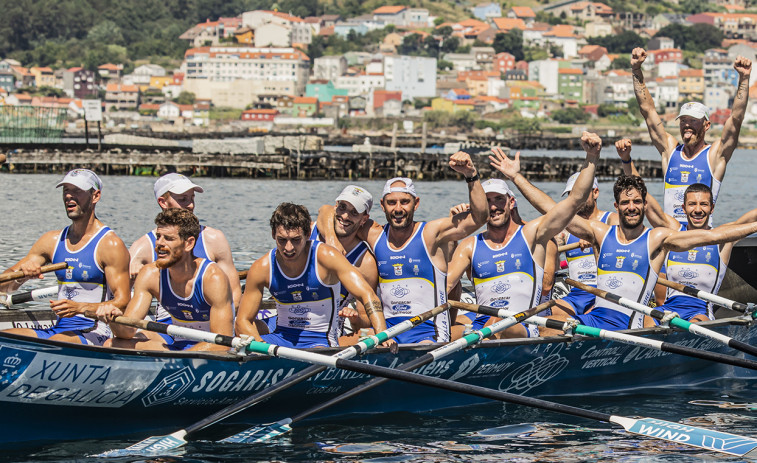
426,331
289,337
532,331
687,307
270,323
605,319
580,300
85,328
177,344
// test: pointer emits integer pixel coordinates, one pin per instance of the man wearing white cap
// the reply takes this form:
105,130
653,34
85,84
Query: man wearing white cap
353,207
507,261
582,263
692,161
176,190
98,270
412,256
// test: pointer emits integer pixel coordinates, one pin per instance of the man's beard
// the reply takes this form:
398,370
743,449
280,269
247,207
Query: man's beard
586,210
626,224
169,261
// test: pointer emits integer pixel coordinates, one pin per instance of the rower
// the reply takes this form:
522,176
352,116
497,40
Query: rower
304,278
352,210
582,263
692,161
630,255
176,190
412,256
193,290
507,260
98,271
701,267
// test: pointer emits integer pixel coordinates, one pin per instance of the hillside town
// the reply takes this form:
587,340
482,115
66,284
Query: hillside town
255,69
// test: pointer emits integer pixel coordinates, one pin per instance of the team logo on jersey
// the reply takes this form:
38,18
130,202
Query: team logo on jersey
500,287
587,250
708,256
416,270
499,303
635,264
69,273
586,263
619,261
679,196
85,275
517,264
187,314
685,176
297,295
692,255
399,291
299,310
70,292
397,269
614,283
687,273
500,265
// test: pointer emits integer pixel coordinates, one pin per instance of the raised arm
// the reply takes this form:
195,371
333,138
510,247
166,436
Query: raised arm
257,280
459,226
220,253
217,292
730,138
685,240
662,140
656,216
510,168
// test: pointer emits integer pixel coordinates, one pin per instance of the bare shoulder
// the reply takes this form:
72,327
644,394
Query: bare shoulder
112,249
215,276
213,234
259,269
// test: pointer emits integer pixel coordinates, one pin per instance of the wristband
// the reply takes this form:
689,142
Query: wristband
627,162
472,179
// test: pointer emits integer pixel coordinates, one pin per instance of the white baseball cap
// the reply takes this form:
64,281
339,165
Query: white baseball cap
408,188
84,179
496,185
175,183
572,181
358,197
695,110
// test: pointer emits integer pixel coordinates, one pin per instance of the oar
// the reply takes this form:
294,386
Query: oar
567,247
242,274
265,432
40,294
650,427
158,444
615,336
44,269
714,298
677,322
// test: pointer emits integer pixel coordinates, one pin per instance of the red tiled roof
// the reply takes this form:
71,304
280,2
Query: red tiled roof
389,9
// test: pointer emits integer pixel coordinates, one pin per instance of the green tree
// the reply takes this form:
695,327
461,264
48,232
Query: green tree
185,98
621,62
512,43
105,32
570,116
695,6
624,42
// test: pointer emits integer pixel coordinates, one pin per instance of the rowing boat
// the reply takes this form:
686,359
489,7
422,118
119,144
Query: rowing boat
115,392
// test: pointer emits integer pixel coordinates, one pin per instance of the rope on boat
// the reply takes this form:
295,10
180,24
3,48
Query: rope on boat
241,348
668,315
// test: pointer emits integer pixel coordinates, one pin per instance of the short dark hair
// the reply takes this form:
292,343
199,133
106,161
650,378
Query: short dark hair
291,217
698,188
185,220
629,182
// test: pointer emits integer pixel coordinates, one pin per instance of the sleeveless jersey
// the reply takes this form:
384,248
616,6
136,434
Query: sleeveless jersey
304,303
507,277
582,266
83,281
680,174
410,284
353,256
192,311
625,270
702,268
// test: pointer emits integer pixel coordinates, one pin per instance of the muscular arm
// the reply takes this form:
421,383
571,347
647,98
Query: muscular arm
732,127
141,255
663,141
460,262
257,280
145,287
685,240
40,254
217,292
220,253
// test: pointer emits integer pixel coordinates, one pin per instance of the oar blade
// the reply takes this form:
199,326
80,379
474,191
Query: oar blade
154,445
702,438
259,433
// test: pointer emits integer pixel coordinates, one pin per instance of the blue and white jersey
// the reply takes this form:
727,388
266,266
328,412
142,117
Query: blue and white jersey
680,174
83,281
701,268
353,256
625,270
582,265
410,284
305,304
192,311
507,277
198,251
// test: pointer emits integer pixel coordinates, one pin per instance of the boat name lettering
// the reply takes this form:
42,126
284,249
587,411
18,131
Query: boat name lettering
594,352
213,380
72,396
641,353
323,390
71,372
332,374
603,362
493,368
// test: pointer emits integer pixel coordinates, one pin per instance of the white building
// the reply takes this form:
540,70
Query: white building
273,35
360,84
329,67
668,69
142,74
546,73
717,96
301,31
414,76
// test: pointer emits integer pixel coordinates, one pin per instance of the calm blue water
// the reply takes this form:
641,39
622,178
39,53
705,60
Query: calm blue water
31,205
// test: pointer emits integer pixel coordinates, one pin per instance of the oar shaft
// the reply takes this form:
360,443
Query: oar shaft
567,247
44,269
41,294
710,297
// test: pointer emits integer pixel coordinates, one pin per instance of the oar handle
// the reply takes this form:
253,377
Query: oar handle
242,274
567,247
595,291
44,269
491,311
693,292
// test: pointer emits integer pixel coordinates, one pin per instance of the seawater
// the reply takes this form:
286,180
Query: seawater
241,208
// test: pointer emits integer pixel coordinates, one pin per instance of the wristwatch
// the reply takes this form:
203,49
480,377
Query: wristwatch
472,179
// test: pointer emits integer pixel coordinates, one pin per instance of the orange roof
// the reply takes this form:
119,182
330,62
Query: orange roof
523,12
109,67
389,9
619,73
21,70
473,23
561,30
329,30
121,88
43,69
691,73
216,52
569,71
149,107
288,17
586,49
505,24
305,100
